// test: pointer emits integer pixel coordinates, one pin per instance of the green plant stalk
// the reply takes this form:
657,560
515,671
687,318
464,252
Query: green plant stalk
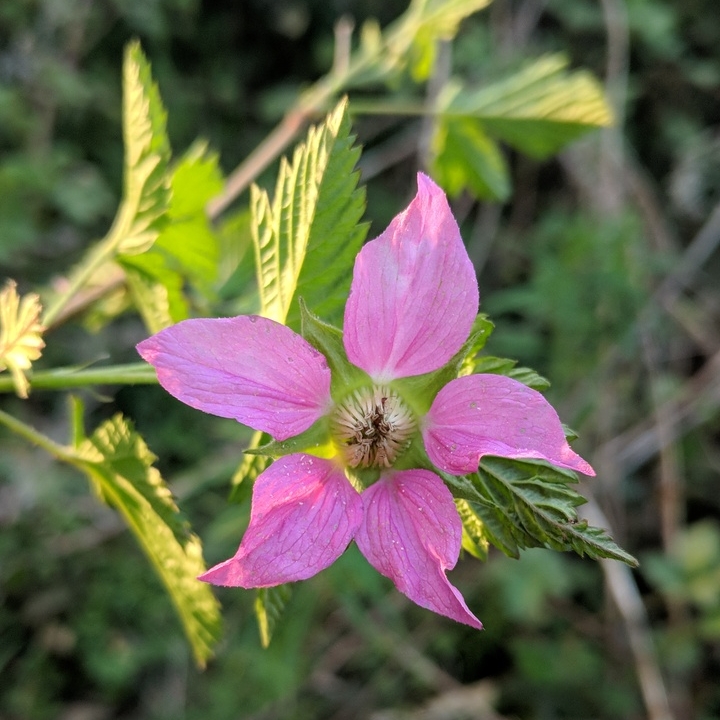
36,438
71,377
103,252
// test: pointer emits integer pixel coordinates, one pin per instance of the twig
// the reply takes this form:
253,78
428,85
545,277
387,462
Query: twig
663,413
259,159
698,397
625,595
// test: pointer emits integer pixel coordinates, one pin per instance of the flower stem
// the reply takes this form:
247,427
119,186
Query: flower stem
72,377
36,438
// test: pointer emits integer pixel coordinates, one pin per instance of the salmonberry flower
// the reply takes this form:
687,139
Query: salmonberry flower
374,428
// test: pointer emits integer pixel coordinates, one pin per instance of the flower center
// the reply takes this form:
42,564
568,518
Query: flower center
373,426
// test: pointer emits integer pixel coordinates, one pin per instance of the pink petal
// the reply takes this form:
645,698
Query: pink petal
248,368
414,293
411,533
481,415
304,514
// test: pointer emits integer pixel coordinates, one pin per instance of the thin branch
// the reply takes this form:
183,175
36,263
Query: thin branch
625,595
74,377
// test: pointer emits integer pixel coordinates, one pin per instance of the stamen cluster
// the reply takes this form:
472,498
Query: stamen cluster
373,427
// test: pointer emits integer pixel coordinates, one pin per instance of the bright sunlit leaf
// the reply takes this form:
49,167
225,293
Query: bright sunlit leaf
538,110
146,186
120,466
186,249
306,239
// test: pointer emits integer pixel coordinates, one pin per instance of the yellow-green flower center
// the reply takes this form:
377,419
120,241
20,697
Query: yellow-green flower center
372,427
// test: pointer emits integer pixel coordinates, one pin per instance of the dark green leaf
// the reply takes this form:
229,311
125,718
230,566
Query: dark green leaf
540,506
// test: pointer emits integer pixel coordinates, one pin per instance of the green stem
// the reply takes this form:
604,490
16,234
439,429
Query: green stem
36,438
71,377
105,250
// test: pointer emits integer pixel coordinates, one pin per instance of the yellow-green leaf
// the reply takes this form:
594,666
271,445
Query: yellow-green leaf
146,185
537,110
120,466
307,238
20,334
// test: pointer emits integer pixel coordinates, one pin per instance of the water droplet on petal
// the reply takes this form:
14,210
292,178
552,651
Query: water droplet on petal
253,318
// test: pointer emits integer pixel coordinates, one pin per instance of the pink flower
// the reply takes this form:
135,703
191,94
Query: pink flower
412,303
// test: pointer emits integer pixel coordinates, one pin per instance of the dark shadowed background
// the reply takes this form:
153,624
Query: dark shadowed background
601,271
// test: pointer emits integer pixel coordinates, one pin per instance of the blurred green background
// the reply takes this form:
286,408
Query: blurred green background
601,271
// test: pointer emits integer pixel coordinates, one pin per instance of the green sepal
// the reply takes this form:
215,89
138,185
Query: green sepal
315,440
328,340
505,366
362,478
570,434
420,390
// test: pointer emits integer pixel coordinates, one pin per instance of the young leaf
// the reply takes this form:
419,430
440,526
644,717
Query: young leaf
119,464
20,334
269,606
410,41
538,110
146,187
186,248
307,238
540,507
188,240
157,291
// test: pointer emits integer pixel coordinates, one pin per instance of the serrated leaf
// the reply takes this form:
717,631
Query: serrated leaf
540,508
306,240
538,110
156,290
186,250
188,240
506,366
20,334
146,186
118,462
269,605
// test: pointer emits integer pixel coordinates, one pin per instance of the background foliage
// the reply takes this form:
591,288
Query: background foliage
598,267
